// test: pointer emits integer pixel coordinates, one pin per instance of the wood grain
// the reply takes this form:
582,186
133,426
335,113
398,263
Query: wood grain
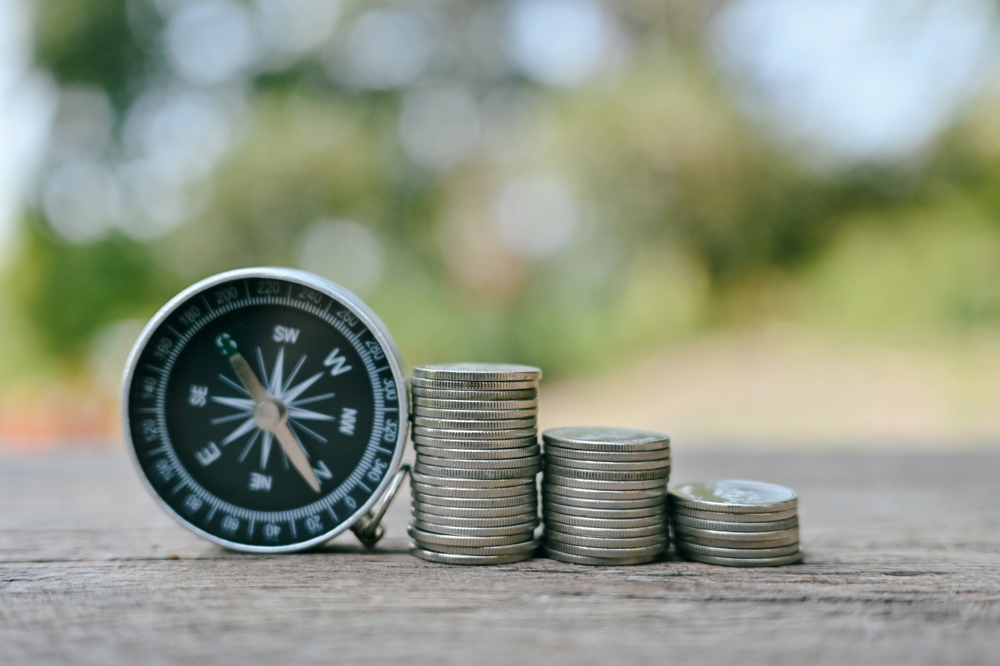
903,566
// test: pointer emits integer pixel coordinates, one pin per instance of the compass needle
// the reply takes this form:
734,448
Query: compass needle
290,445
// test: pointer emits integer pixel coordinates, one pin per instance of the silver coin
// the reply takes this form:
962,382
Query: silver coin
721,526
649,496
599,438
609,553
477,474
731,537
448,424
606,533
488,531
570,505
557,470
460,394
598,542
609,456
473,385
523,509
745,561
735,496
556,554
616,514
628,499
496,372
768,517
474,443
718,543
478,454
475,502
758,553
604,465
559,480
476,405
433,523
469,560
463,463
449,482
526,546
658,521
449,433
463,416
457,493
424,537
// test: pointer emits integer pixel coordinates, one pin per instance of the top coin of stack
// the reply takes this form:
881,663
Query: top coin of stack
736,523
604,495
476,437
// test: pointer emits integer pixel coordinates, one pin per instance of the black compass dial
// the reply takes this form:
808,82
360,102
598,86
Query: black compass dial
265,413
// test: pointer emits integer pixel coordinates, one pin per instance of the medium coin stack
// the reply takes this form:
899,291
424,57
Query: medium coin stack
736,523
476,436
604,495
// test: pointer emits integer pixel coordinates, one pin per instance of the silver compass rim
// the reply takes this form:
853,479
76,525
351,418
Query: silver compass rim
306,279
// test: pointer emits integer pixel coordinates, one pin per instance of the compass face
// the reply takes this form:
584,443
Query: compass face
265,408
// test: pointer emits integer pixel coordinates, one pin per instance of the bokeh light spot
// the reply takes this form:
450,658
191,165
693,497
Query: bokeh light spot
294,27
536,215
439,126
558,42
210,42
343,251
387,49
79,199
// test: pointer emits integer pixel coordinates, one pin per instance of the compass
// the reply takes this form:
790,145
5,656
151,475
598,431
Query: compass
266,410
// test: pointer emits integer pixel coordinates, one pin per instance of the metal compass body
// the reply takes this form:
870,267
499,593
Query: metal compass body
266,409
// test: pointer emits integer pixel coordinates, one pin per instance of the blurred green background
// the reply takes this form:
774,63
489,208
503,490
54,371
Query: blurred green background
575,184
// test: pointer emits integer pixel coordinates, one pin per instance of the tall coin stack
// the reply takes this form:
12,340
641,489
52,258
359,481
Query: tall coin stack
475,432
604,495
736,523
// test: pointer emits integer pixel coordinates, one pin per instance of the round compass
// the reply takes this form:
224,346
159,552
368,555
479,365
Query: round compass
266,409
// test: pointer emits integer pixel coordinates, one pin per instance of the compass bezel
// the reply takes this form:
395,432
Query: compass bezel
348,300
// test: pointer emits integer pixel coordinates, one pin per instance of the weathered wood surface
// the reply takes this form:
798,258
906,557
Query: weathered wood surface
903,566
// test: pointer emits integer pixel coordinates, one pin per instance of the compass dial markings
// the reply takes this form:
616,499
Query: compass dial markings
227,419
295,392
233,384
309,431
308,415
295,371
315,398
249,445
241,430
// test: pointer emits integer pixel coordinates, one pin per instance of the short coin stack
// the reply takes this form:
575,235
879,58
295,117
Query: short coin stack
476,436
736,523
604,495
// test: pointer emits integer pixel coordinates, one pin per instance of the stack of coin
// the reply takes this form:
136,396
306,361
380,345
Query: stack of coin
476,436
736,523
604,495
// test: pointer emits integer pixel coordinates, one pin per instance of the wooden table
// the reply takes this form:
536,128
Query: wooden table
902,566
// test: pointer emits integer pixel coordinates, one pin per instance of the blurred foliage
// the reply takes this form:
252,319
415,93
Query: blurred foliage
70,292
690,212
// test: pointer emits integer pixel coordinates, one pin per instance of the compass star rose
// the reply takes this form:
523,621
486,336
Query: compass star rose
282,388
